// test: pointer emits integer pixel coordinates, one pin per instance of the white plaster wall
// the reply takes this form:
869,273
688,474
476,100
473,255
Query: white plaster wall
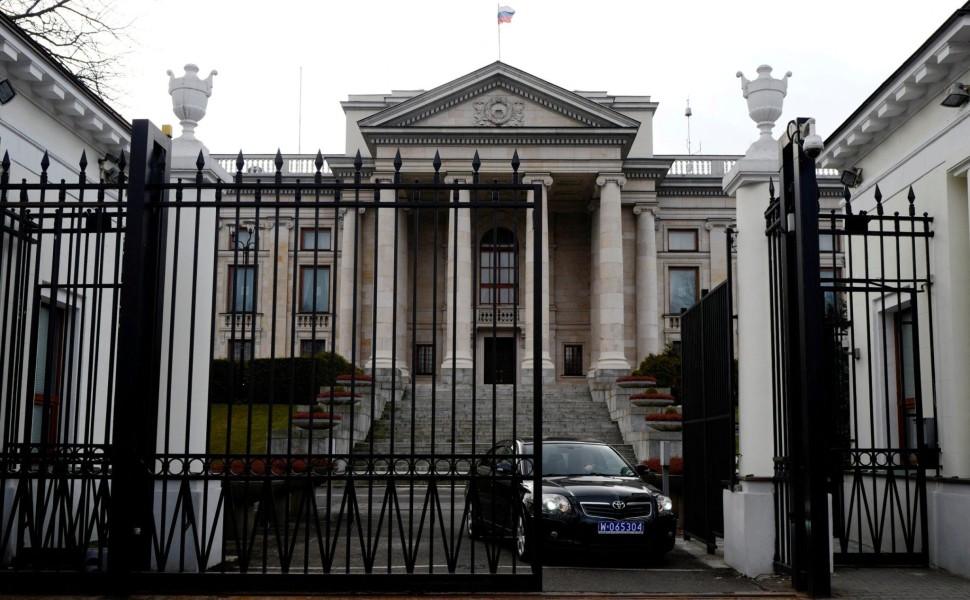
949,506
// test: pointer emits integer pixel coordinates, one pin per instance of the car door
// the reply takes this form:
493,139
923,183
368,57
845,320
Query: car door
493,475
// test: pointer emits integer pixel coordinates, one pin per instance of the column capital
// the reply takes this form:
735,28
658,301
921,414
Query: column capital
652,209
616,178
712,223
543,178
458,177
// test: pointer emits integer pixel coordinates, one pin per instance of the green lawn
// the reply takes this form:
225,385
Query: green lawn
241,423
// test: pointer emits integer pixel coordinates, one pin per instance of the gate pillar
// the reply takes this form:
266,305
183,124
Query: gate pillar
745,549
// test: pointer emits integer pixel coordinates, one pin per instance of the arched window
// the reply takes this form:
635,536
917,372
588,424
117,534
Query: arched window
498,267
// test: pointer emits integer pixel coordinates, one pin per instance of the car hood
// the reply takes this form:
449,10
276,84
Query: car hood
597,486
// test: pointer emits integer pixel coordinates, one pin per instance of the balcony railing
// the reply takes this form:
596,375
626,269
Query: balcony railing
240,322
319,322
718,166
501,316
671,323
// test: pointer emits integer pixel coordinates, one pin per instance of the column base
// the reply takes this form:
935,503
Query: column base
613,361
527,375
600,381
457,376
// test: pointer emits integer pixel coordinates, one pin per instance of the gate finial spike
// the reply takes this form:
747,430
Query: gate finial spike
318,161
878,194
6,162
397,160
515,161
83,163
911,196
278,161
45,162
239,162
847,195
122,162
771,190
200,161
476,162
358,162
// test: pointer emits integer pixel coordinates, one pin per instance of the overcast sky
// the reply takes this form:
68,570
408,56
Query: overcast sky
838,50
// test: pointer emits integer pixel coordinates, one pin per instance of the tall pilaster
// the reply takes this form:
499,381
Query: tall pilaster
457,366
648,315
719,253
347,285
528,362
609,273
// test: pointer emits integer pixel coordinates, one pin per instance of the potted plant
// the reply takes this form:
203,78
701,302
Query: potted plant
636,381
651,397
315,418
669,420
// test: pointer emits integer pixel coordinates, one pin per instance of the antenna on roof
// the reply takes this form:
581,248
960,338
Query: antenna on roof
687,113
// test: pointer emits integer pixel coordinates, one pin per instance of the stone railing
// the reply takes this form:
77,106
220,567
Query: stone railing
502,316
718,166
671,322
240,322
265,164
313,322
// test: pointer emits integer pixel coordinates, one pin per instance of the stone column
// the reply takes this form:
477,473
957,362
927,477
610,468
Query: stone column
648,325
528,363
609,273
457,365
383,356
347,285
719,253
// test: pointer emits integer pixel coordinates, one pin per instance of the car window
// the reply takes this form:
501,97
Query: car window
582,459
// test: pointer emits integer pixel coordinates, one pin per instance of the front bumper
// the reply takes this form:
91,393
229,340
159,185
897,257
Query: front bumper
659,534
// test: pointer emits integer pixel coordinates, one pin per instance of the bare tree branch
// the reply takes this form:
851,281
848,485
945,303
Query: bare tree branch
83,35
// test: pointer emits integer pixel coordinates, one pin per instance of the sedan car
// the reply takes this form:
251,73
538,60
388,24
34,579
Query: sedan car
591,499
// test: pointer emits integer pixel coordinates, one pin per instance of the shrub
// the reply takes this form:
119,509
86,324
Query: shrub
676,465
263,380
665,367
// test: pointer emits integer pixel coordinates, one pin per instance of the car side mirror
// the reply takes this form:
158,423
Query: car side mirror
642,471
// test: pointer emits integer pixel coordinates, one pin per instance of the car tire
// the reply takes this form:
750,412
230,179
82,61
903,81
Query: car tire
473,525
523,545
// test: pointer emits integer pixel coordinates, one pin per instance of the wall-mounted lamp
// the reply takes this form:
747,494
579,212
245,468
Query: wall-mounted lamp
957,96
851,177
6,91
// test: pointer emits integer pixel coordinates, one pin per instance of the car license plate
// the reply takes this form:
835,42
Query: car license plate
619,527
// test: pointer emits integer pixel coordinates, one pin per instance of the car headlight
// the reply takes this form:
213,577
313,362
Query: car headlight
664,504
556,504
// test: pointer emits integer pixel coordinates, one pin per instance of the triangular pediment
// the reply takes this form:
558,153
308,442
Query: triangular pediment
498,96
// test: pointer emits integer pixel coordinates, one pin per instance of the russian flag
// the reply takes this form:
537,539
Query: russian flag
505,14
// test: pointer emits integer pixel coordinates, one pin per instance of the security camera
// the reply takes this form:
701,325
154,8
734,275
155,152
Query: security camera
813,142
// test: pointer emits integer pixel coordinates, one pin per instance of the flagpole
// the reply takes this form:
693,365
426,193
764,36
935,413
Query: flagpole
498,25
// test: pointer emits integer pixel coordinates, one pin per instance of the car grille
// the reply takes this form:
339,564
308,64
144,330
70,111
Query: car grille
605,510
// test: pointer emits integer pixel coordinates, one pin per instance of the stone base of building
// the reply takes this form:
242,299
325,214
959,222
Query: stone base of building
459,376
601,382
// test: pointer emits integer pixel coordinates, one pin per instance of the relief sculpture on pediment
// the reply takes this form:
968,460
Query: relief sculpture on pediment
499,111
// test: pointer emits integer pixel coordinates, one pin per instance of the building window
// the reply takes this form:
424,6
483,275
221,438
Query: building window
498,267
425,360
241,349
309,348
315,289
47,374
572,360
683,288
682,240
831,298
905,379
242,238
826,242
315,239
242,288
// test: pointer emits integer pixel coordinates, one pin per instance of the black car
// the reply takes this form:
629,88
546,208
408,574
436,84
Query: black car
592,499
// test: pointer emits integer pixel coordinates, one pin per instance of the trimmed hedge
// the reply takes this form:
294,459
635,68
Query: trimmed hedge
265,380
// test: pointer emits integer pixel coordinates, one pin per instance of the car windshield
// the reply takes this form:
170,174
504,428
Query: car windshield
575,458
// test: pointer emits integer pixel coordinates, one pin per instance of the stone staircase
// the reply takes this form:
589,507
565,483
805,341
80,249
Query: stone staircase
471,419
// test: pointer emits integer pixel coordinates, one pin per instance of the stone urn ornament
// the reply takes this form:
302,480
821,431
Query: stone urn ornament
190,96
765,96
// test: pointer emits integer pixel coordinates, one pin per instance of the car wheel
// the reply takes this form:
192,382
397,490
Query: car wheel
473,525
523,546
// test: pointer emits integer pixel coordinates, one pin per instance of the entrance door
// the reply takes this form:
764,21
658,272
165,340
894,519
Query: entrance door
499,360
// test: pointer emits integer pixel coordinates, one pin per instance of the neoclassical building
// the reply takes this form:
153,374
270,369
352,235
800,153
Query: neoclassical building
630,239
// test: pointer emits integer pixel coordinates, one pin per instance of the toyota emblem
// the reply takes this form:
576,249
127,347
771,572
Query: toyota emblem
619,504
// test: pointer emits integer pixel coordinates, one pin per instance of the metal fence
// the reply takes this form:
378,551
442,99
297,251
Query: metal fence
174,417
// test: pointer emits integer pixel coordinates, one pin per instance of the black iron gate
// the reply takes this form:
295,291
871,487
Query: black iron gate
709,400
850,294
174,416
